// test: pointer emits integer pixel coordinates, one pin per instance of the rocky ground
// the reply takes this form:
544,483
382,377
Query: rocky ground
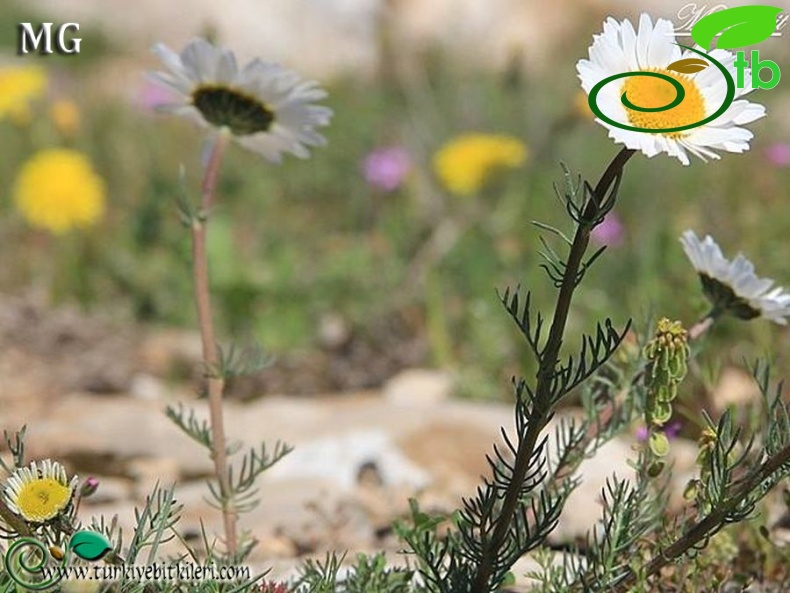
93,396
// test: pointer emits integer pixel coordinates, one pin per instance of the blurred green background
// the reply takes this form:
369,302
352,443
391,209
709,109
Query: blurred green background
296,245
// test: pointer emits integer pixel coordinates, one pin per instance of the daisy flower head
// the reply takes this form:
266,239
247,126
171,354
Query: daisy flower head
732,286
265,107
704,89
39,492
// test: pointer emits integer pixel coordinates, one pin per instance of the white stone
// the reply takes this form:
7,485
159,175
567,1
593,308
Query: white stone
124,427
147,387
419,388
340,458
583,509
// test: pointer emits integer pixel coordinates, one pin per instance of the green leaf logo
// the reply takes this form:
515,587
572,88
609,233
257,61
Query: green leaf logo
89,545
739,26
688,65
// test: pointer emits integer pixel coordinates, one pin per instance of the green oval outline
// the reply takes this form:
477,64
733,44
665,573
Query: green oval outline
11,570
728,99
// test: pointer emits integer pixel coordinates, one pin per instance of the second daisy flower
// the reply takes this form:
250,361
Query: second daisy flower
265,107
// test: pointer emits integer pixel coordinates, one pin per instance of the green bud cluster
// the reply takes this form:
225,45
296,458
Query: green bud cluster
667,354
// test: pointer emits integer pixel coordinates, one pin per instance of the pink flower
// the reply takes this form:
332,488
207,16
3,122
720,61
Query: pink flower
152,95
610,231
778,154
89,486
386,168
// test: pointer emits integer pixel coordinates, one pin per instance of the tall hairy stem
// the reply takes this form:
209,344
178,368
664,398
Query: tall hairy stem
541,408
210,355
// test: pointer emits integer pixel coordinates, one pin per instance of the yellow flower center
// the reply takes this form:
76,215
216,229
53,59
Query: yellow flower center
42,499
651,92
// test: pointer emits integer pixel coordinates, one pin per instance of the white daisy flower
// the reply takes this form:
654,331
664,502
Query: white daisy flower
621,49
267,108
40,492
733,287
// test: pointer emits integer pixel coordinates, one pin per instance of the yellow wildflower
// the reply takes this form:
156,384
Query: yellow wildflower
467,162
57,189
19,87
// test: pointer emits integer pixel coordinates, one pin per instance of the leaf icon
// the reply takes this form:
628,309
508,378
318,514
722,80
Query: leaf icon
739,26
56,553
89,545
688,65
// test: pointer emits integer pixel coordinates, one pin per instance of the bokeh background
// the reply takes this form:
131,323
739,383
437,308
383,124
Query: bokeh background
358,263
350,268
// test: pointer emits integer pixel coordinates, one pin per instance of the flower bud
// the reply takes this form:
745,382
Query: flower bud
89,486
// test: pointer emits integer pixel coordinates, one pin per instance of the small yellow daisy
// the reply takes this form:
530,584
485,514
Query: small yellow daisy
40,492
467,162
57,189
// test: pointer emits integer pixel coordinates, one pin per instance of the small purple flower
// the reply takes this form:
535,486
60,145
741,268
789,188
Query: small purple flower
778,154
671,431
385,168
610,231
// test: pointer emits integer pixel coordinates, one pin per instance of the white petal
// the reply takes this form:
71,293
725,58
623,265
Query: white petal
660,52
227,70
201,58
643,41
167,80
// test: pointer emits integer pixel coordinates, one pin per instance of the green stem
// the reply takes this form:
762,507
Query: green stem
708,525
540,411
704,324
